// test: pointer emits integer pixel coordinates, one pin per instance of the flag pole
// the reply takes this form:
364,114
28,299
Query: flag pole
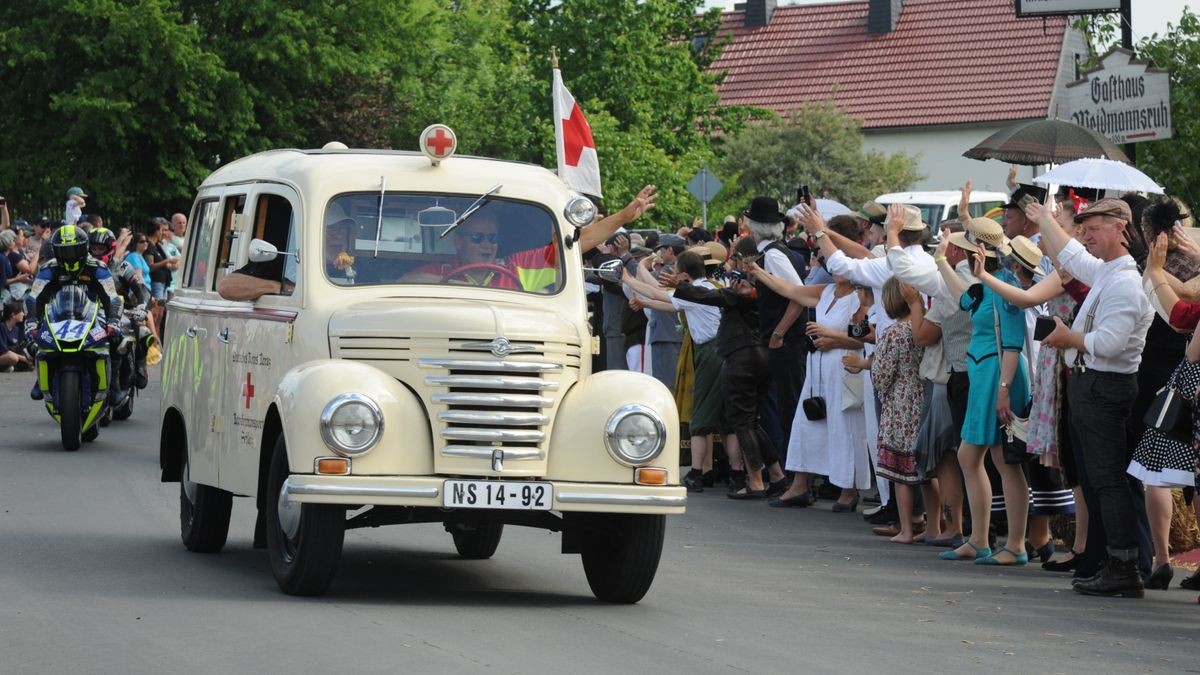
554,57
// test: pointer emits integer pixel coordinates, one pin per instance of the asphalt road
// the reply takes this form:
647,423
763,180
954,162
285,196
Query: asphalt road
93,578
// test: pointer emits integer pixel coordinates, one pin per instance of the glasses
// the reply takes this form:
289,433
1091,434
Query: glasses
479,237
139,241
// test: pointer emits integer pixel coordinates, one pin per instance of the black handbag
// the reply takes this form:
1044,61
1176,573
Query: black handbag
1171,414
814,406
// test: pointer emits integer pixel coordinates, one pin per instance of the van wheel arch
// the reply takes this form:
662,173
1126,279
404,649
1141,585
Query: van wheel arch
172,443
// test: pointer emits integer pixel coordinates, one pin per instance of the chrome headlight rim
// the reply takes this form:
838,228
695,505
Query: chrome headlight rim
331,408
577,217
610,431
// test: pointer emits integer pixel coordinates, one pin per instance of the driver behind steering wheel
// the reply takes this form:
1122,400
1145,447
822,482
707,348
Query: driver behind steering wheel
476,243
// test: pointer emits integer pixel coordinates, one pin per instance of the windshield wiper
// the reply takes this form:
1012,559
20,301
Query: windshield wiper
475,206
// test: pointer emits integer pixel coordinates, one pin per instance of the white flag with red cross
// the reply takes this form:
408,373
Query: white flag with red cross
578,164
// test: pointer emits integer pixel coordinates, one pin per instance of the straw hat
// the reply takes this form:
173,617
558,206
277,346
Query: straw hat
989,232
1026,252
912,219
966,242
713,252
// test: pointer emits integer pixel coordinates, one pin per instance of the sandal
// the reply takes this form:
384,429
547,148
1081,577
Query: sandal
980,553
1021,558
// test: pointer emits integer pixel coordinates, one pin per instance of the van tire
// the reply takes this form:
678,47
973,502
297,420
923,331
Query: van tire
476,541
620,553
305,556
203,513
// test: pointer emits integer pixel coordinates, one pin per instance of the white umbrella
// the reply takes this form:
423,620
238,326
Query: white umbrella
827,208
1103,174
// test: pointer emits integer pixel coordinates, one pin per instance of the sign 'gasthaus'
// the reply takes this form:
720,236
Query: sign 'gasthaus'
1124,99
424,360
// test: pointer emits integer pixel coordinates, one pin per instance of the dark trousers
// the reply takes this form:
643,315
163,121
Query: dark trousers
1100,403
744,377
786,367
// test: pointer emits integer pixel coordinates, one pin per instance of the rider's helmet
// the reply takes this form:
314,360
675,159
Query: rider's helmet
102,242
70,244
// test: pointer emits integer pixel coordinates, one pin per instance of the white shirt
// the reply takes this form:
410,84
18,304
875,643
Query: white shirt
875,272
72,212
1123,314
776,262
702,320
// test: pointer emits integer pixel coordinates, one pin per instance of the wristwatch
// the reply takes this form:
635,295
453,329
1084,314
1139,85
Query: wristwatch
1004,385
818,234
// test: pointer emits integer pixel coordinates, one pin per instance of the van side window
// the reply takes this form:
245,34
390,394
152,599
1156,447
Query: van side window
231,227
273,224
201,242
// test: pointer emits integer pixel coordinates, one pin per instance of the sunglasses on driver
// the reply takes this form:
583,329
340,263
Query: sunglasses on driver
479,237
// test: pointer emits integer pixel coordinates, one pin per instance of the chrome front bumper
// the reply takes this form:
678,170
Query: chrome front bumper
422,491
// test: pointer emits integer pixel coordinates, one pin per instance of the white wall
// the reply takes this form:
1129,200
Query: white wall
940,156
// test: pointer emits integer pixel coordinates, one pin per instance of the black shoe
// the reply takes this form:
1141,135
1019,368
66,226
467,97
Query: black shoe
886,515
694,481
1191,583
1160,579
1044,553
776,488
36,392
1118,578
1064,565
802,500
709,479
746,493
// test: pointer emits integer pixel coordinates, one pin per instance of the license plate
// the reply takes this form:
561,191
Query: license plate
497,494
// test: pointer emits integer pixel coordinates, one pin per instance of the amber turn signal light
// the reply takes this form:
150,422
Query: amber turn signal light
650,475
333,466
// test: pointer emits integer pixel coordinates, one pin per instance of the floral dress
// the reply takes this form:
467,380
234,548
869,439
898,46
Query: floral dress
1047,386
897,380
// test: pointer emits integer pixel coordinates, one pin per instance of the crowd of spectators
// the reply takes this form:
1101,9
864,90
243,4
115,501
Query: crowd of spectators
153,250
1013,363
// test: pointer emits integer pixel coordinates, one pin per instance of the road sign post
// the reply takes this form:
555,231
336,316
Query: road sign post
704,186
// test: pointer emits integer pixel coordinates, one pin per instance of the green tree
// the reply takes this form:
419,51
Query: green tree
815,145
118,96
1172,162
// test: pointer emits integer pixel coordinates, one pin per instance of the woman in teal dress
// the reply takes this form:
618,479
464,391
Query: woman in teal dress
999,391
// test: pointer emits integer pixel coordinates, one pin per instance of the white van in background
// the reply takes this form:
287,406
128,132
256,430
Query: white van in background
940,205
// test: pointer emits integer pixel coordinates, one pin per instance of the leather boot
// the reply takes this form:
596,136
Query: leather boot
1117,578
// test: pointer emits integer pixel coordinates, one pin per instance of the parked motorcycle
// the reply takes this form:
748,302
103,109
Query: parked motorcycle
73,365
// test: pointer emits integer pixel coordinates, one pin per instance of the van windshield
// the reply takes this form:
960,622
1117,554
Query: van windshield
504,244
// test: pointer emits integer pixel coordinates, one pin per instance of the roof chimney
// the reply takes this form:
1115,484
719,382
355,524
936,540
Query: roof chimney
758,12
882,16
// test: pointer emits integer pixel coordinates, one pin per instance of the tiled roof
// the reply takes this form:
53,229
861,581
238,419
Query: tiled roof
947,62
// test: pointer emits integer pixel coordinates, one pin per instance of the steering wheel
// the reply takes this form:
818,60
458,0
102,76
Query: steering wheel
491,267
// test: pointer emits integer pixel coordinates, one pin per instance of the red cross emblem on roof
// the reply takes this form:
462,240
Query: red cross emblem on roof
438,142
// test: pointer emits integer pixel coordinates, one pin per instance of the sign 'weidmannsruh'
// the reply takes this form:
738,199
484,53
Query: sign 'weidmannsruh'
1126,100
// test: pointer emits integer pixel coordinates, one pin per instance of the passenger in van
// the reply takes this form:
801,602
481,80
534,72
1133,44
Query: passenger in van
255,280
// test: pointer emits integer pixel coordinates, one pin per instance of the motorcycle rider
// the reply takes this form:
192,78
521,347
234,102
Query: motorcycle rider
71,266
102,243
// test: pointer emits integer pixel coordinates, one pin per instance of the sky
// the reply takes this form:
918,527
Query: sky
1149,16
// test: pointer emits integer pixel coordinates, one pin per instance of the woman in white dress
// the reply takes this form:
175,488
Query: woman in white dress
836,446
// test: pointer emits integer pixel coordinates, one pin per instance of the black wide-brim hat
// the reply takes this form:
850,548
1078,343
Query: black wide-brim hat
1018,199
764,210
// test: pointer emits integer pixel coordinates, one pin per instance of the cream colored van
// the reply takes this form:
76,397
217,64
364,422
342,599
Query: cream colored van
426,359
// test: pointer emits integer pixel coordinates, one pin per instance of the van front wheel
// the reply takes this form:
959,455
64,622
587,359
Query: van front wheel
620,554
304,541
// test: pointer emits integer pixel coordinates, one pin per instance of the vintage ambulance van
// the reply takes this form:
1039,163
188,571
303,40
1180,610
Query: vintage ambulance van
424,357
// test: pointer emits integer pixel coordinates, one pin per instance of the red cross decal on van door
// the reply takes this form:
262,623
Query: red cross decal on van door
248,390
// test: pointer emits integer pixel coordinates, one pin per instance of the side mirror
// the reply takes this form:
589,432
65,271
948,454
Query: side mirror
609,270
262,251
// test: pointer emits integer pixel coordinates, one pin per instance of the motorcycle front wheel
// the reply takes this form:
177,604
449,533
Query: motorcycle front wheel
70,414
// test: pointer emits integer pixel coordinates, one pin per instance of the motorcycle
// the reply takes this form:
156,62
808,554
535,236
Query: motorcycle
127,377
72,364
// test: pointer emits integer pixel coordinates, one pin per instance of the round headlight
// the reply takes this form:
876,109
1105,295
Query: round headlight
635,435
580,211
351,424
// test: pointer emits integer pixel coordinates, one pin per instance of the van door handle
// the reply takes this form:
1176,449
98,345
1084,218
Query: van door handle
223,336
192,331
